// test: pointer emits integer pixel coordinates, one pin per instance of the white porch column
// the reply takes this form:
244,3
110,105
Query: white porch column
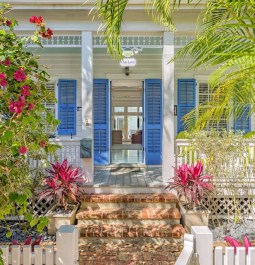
87,97
168,140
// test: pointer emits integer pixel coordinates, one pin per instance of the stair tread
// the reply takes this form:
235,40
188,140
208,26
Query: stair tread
129,213
138,197
130,231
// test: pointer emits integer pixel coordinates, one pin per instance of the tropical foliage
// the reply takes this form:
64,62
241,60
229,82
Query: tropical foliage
190,183
226,42
111,12
235,243
23,138
62,184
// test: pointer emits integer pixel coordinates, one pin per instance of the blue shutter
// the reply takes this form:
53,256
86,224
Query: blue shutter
186,99
153,121
67,107
243,123
101,121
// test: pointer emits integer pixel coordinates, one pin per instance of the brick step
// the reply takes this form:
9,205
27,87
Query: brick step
132,251
129,213
128,222
130,198
127,231
100,205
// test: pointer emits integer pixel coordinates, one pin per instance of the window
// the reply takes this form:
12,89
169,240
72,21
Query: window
204,95
51,107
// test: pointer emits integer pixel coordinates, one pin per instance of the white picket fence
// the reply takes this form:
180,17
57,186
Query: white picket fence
198,250
66,251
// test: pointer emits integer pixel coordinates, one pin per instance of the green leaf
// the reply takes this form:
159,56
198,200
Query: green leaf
13,196
9,234
29,217
34,222
7,135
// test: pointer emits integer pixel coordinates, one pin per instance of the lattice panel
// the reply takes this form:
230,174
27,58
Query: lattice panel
229,206
40,208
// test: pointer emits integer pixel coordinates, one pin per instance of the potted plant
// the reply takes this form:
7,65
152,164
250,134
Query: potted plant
191,186
64,185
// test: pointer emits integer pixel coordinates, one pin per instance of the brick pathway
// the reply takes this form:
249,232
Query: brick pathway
129,253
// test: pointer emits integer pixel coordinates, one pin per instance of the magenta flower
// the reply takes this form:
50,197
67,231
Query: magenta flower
25,91
15,107
31,106
3,81
20,75
23,150
6,62
8,23
42,144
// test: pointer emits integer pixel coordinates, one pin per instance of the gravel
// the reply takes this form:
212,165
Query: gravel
20,234
222,227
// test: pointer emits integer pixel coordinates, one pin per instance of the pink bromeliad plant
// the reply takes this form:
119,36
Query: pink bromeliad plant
190,183
63,184
235,243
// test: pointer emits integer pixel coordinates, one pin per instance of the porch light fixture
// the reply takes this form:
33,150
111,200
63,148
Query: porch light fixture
128,52
127,71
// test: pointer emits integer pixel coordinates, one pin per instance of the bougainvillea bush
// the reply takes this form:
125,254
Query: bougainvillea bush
23,116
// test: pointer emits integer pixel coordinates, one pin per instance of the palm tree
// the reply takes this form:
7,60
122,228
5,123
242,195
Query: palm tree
226,41
111,12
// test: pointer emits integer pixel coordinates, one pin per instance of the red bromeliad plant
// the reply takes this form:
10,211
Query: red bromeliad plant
28,241
235,243
63,184
190,183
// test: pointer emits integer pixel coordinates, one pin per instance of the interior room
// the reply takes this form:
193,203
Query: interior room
127,122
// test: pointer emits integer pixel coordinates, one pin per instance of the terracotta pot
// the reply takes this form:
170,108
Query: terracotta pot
193,217
58,219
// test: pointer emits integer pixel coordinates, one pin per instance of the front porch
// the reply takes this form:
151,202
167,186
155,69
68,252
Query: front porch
123,176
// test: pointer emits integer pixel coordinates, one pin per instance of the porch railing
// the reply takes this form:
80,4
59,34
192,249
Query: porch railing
70,150
185,154
198,250
66,250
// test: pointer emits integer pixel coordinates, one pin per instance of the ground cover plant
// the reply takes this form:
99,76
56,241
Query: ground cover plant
23,118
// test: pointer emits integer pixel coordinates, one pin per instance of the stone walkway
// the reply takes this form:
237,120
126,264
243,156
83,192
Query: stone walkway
136,252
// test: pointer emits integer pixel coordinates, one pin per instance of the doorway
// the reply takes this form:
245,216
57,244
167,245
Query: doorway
127,122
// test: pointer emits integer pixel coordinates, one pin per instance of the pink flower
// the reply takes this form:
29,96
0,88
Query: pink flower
31,106
23,150
20,75
47,34
25,90
21,101
6,62
15,107
42,144
37,20
3,81
8,23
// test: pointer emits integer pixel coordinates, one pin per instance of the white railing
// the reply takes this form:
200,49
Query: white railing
70,150
66,251
185,154
202,247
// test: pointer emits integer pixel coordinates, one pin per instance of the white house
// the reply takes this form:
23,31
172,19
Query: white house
132,105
